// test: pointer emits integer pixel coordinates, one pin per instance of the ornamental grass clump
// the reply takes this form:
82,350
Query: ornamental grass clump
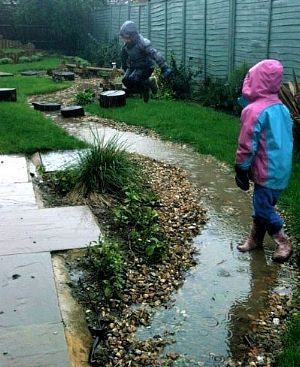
105,168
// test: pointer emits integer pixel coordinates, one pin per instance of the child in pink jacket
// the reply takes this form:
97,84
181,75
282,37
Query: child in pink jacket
264,154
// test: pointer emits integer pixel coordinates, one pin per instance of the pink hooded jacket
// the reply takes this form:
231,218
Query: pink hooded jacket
265,142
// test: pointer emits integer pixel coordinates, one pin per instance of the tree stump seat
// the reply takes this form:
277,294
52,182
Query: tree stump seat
112,98
46,106
8,94
72,111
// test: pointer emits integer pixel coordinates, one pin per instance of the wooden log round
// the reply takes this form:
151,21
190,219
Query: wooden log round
112,98
46,106
8,94
72,111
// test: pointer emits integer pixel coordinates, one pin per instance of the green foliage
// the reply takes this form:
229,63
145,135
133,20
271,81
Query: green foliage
222,95
79,61
179,84
67,21
290,357
24,59
140,222
106,259
84,97
105,168
36,57
290,96
103,54
6,60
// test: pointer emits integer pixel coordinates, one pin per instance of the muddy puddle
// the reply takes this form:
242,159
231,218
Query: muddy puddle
211,313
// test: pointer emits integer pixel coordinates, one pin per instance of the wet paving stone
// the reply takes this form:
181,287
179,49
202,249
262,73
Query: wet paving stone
13,169
55,161
49,229
27,292
40,345
17,195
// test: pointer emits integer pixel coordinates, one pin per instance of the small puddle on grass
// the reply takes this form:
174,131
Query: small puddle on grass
212,311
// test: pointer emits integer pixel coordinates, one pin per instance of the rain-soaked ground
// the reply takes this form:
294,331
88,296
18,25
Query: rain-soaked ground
210,314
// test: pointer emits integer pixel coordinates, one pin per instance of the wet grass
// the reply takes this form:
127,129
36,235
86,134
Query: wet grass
290,357
24,130
44,64
208,131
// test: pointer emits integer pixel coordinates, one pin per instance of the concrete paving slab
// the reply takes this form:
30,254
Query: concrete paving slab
57,161
27,291
47,229
17,195
13,169
41,345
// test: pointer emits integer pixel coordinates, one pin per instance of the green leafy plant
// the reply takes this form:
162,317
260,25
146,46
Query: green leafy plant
107,261
290,96
84,97
103,54
179,84
140,222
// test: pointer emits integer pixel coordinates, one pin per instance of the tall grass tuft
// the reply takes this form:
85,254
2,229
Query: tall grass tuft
105,168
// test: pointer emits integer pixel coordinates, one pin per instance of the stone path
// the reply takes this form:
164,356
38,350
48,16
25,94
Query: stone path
31,328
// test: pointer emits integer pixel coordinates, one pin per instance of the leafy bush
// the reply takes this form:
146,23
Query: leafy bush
140,222
103,54
36,57
24,59
106,259
179,83
223,95
6,60
84,97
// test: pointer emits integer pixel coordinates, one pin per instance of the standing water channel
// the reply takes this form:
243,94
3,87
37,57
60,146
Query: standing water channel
211,313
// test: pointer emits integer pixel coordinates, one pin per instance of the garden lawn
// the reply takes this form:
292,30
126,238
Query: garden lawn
25,130
44,64
207,131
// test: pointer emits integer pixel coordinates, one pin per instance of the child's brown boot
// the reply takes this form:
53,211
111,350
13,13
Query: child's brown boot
283,249
255,238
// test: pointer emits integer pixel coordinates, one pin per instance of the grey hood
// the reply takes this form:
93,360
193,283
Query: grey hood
129,29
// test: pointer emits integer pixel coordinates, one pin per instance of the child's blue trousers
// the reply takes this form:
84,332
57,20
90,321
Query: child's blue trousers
264,213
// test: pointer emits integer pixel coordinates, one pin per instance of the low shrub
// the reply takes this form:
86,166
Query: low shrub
85,97
24,59
139,222
6,60
103,54
179,84
107,261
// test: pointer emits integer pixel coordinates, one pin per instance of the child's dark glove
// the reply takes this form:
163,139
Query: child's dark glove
166,72
242,178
